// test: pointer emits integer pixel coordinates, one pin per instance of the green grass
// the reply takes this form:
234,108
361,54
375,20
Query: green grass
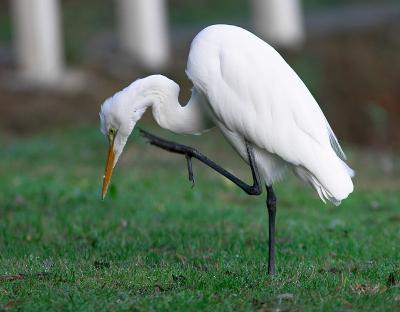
156,244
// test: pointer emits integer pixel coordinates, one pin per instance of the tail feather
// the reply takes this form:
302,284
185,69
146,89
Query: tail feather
350,171
335,143
329,175
309,178
324,167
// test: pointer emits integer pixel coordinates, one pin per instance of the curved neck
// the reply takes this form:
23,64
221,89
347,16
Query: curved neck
161,93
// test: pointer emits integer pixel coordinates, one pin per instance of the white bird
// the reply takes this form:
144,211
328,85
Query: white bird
245,88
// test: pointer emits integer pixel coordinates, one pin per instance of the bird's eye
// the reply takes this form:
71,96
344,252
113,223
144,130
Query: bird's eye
111,134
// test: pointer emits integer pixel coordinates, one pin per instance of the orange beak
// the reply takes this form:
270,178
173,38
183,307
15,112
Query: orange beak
109,168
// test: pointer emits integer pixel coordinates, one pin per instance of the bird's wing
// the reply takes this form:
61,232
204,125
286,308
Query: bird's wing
256,94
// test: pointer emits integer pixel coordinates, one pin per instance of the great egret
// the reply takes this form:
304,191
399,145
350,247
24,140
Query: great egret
246,89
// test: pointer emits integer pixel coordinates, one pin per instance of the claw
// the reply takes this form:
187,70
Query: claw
190,169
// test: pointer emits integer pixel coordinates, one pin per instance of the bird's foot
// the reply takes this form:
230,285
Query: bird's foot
190,169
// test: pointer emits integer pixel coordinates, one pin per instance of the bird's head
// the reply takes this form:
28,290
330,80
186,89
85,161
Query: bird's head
118,117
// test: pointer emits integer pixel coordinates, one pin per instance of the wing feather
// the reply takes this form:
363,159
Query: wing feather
252,91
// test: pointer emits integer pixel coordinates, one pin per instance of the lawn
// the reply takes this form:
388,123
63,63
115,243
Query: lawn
157,244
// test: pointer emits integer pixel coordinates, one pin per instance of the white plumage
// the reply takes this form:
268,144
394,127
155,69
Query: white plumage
245,88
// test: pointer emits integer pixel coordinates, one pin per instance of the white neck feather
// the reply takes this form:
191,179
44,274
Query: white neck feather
161,93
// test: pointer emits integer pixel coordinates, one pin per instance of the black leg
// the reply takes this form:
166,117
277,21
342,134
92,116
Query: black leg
271,205
189,152
190,169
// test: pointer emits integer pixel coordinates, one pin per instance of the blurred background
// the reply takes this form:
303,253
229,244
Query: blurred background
60,59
